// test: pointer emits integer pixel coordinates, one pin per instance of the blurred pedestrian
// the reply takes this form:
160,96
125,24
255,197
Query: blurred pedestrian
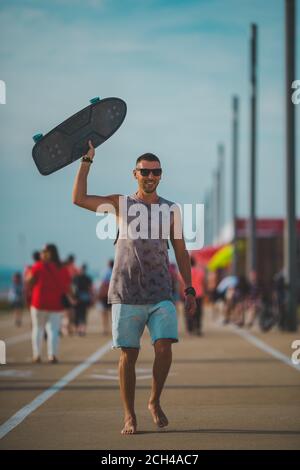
27,270
16,298
72,268
194,322
229,304
254,298
280,297
241,293
82,289
68,321
50,282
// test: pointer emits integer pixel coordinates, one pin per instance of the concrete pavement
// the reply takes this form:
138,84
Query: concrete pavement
223,392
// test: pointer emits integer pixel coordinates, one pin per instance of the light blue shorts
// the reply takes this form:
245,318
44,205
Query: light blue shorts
128,323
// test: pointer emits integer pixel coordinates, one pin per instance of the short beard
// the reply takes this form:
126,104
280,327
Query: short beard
151,190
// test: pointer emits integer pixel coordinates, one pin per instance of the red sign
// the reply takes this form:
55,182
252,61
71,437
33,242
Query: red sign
264,227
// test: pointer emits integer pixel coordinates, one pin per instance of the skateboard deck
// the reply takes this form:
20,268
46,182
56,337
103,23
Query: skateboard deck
68,141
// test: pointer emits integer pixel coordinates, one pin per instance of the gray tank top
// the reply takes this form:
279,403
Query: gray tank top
141,269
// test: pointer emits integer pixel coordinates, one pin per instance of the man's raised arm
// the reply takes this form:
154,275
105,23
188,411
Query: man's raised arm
79,195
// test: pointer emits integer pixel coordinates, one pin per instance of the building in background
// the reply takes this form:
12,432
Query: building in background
270,246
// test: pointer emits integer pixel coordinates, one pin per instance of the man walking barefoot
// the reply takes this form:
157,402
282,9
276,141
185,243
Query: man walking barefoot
140,289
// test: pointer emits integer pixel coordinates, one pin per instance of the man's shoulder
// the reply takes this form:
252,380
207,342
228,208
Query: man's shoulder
163,200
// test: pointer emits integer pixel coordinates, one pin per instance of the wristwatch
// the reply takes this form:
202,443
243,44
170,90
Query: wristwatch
85,158
190,291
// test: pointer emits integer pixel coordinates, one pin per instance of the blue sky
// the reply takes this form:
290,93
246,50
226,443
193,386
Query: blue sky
177,65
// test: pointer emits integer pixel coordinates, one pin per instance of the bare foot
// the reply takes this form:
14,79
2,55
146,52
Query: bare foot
129,425
53,360
158,415
36,360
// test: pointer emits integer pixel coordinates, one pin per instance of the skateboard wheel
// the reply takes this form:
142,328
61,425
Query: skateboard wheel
37,137
95,100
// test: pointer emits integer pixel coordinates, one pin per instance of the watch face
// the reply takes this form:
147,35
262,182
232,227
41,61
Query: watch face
190,290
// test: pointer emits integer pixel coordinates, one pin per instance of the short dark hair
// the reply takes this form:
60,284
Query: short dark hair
71,259
149,157
36,256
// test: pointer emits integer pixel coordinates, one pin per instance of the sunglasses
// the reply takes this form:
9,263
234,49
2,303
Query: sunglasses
147,171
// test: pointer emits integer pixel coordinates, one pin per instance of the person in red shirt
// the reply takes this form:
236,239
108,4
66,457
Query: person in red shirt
26,275
71,266
49,280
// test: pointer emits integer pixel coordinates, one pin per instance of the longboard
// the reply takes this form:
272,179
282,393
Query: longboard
68,141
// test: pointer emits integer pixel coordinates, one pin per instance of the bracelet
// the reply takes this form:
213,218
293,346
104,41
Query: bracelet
87,159
190,291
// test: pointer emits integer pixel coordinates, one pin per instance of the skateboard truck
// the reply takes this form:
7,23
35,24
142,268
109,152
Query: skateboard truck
94,100
37,137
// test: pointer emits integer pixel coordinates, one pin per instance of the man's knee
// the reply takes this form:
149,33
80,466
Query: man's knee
163,346
129,354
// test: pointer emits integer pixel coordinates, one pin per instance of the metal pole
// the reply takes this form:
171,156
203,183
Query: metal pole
211,215
215,207
221,169
290,222
235,123
206,218
251,262
218,197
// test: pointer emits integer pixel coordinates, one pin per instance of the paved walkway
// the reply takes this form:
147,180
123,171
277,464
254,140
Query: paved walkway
226,390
